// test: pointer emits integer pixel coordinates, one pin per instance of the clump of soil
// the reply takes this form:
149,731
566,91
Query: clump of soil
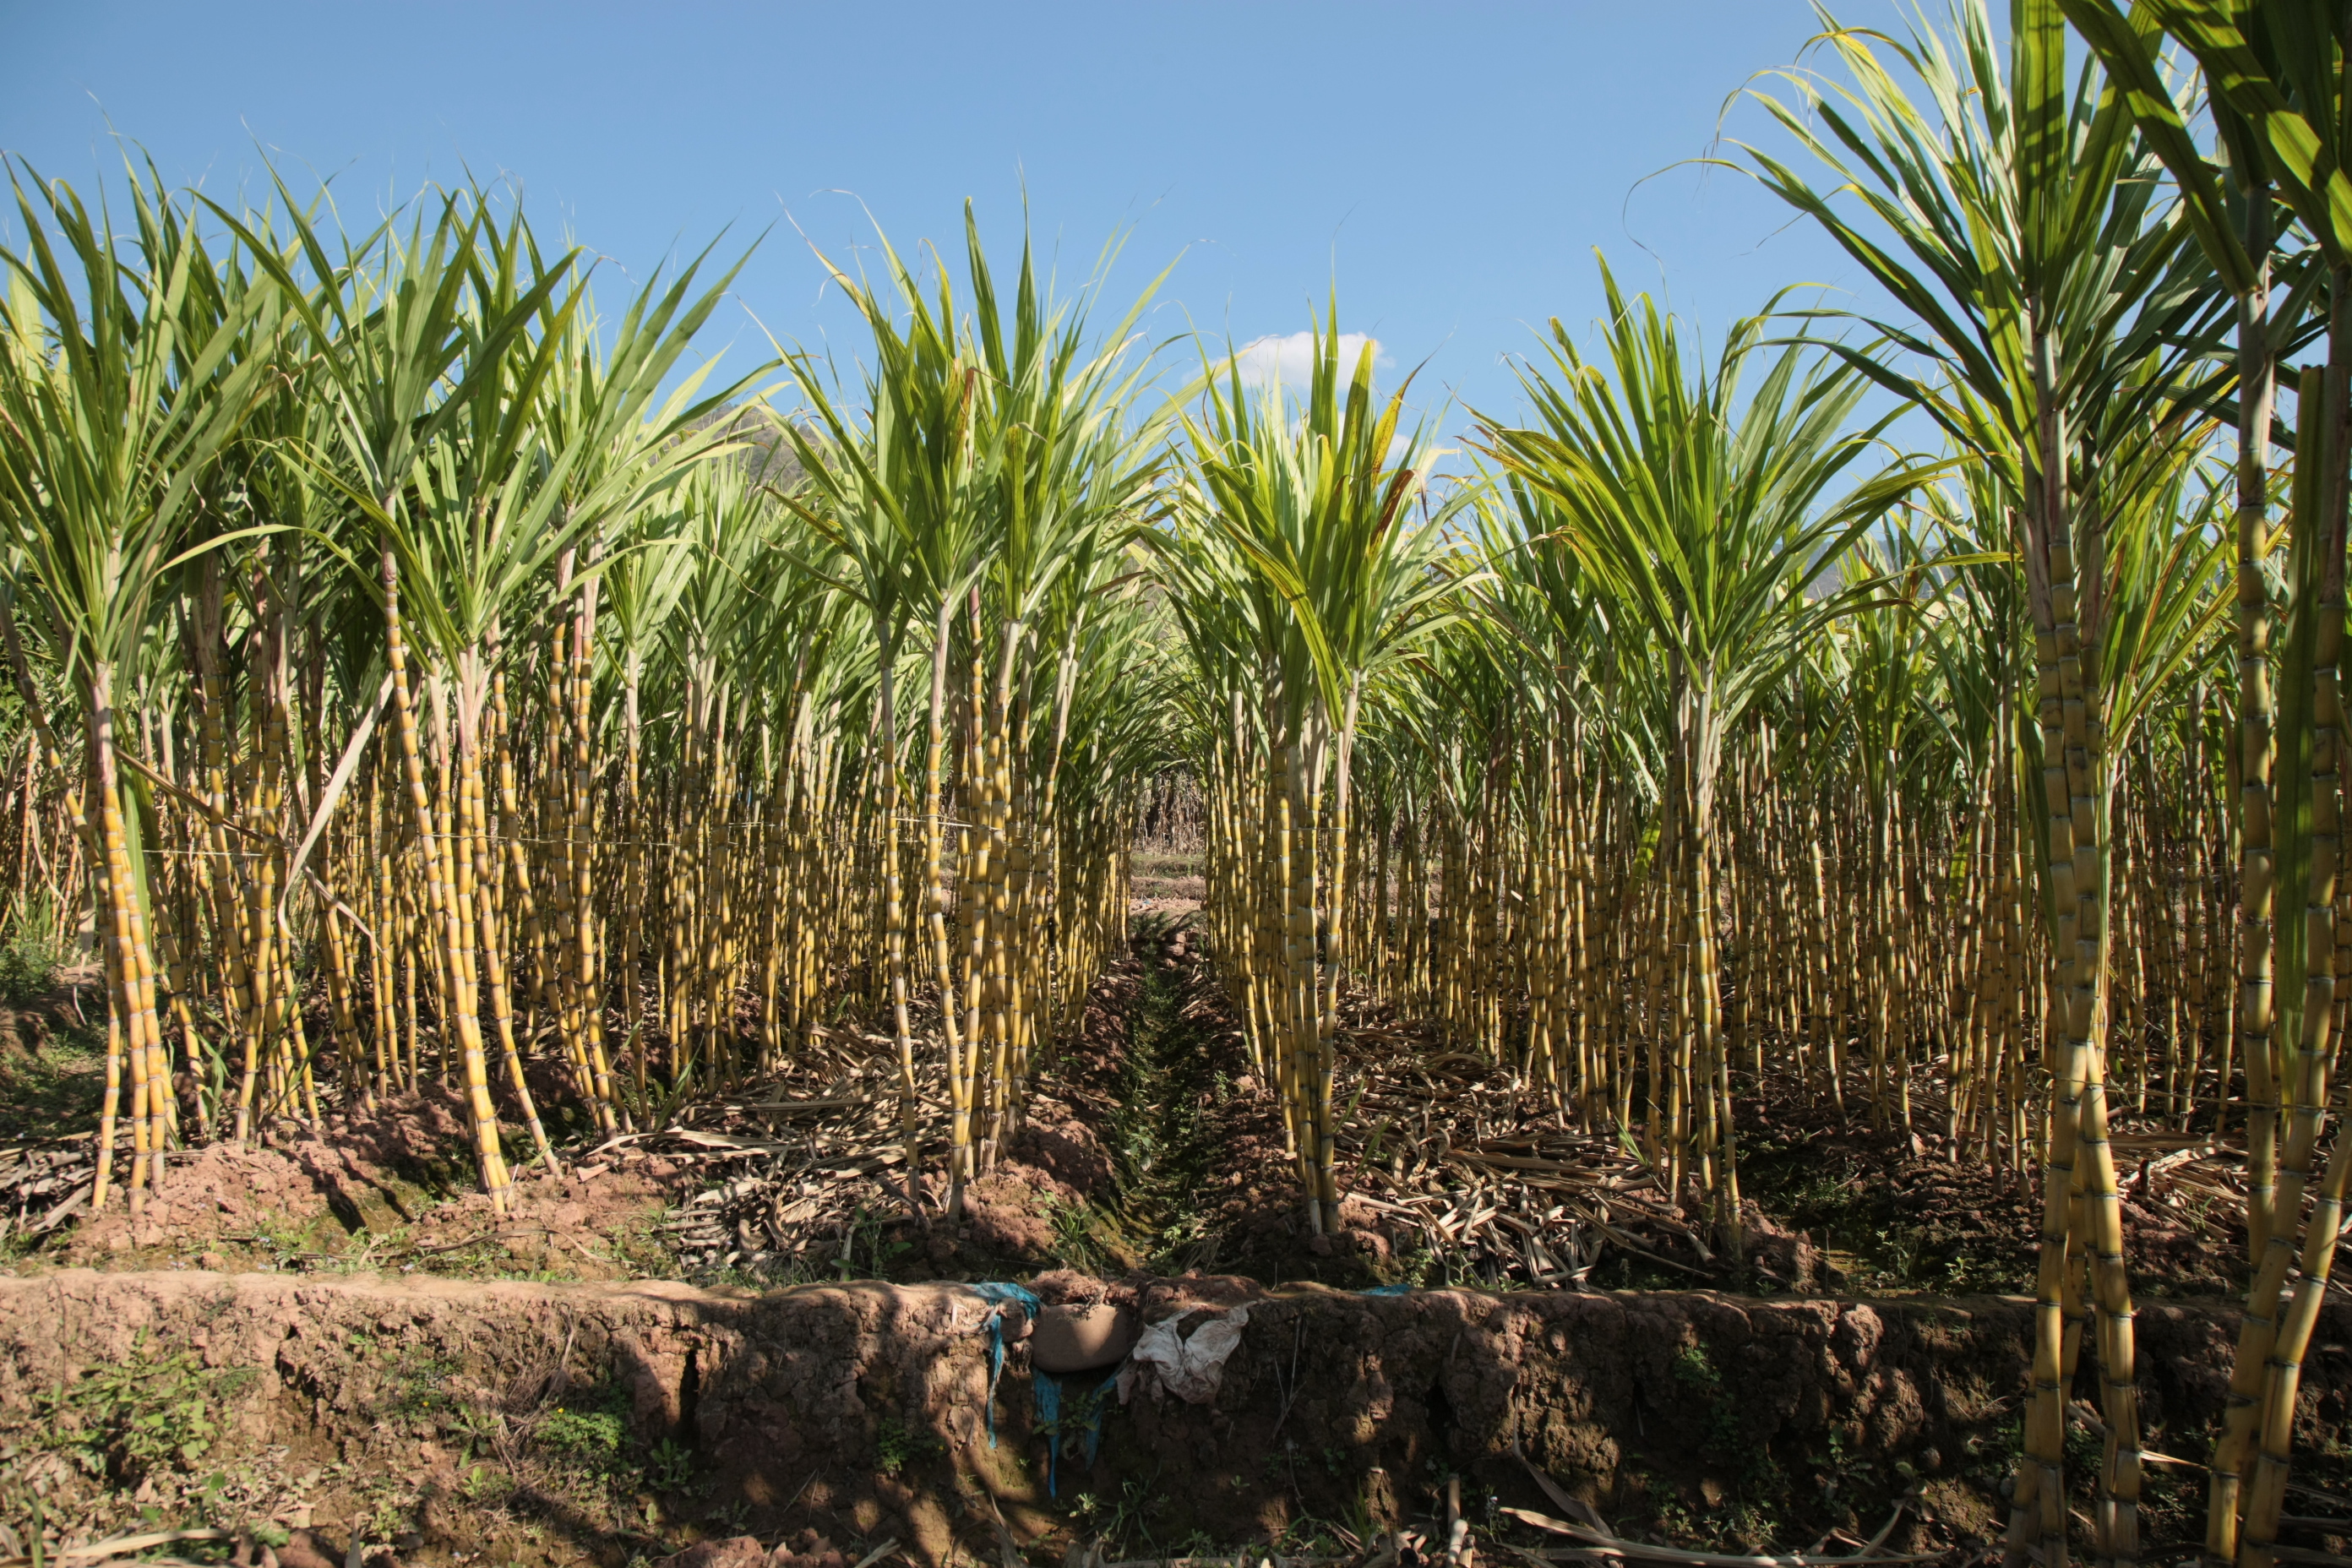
1016,1217
221,1193
1008,1214
391,1187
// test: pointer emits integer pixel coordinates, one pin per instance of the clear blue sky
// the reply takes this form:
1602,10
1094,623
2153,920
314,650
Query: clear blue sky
1451,165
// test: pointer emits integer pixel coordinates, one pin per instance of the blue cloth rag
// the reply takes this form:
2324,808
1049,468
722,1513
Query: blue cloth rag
997,1292
1047,1390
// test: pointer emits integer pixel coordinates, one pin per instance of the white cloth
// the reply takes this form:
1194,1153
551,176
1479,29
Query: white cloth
1191,1369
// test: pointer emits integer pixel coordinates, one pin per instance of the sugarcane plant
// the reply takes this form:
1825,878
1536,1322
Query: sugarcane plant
437,693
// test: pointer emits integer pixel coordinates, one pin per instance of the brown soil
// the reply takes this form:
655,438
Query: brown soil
445,1419
223,1193
378,1188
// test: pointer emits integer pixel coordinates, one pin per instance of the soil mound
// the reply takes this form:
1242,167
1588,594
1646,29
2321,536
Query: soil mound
219,1192
386,1187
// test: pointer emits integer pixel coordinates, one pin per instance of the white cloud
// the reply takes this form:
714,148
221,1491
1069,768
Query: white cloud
1288,360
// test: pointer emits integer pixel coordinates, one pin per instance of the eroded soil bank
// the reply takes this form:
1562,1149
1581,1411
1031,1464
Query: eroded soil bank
444,1421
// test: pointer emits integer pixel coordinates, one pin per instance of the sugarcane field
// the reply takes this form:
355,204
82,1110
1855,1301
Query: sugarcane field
869,890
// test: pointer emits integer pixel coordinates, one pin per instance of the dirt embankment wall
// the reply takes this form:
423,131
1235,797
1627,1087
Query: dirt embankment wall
864,1407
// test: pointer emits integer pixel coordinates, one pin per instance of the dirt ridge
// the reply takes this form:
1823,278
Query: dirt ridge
862,1409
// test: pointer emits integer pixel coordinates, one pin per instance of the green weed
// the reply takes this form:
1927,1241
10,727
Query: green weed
669,1468
487,1486
1701,1384
586,1440
141,1417
32,947
893,1446
1077,1241
420,1391
1122,1521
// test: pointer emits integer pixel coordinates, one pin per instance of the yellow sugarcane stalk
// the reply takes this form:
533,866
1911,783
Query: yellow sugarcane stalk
445,907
